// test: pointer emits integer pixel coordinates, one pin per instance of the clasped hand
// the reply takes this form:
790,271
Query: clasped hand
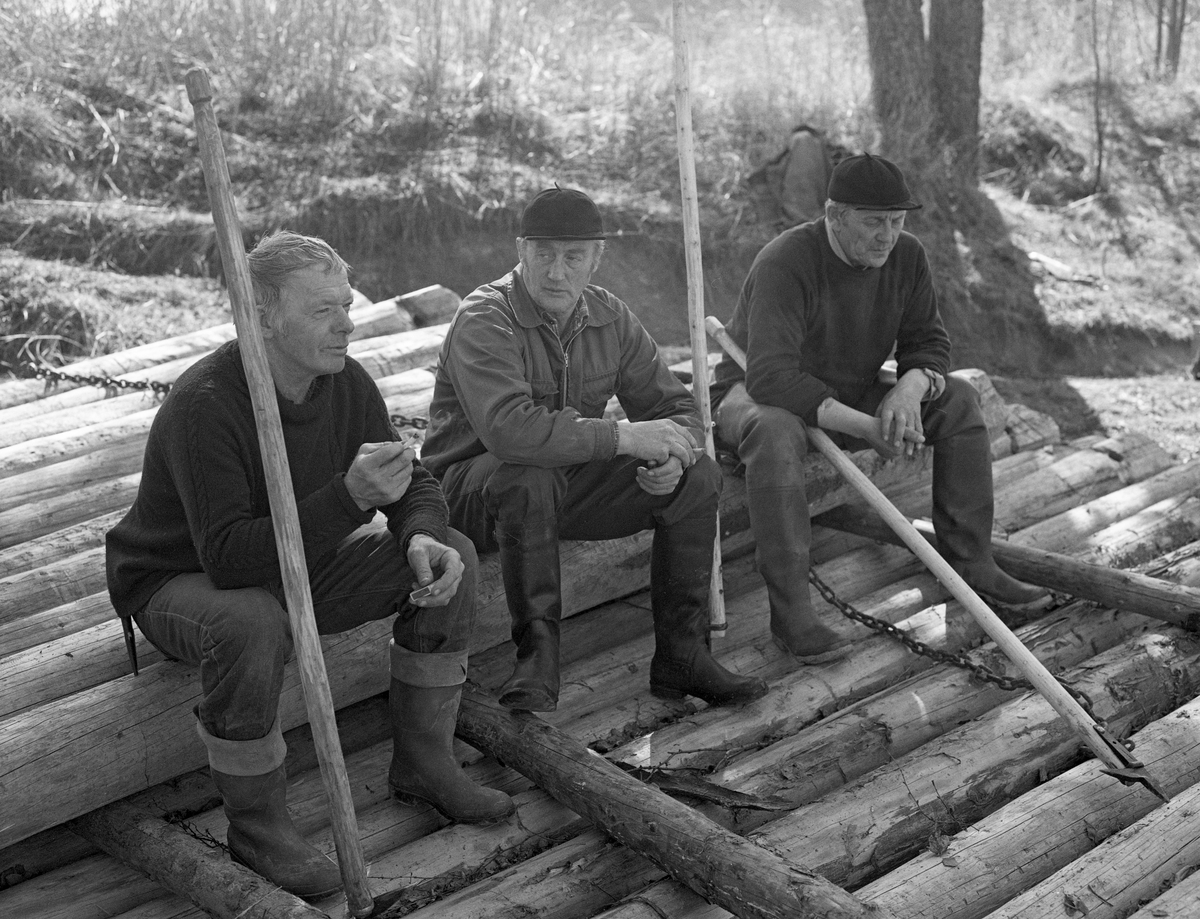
380,474
899,427
668,447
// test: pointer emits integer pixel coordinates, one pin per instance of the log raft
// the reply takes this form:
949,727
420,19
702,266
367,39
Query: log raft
827,747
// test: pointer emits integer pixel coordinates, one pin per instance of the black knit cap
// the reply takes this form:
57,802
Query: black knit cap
562,213
871,183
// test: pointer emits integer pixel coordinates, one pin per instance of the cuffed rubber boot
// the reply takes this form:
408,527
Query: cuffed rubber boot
782,536
424,768
263,838
683,665
532,587
963,511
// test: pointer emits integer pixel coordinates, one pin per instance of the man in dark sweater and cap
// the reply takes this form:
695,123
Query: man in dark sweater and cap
194,561
819,313
518,437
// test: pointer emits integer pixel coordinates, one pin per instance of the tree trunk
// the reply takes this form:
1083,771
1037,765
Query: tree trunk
900,75
955,49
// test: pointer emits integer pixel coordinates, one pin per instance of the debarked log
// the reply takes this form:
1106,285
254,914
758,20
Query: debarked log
1180,902
854,834
985,865
370,320
1126,869
1124,590
714,862
876,823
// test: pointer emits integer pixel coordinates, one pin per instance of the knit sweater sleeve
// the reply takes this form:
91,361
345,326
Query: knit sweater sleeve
422,507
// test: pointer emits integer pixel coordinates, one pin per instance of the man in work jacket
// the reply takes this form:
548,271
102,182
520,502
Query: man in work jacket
822,307
194,561
519,440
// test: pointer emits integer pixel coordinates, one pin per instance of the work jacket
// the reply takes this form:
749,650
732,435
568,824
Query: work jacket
506,384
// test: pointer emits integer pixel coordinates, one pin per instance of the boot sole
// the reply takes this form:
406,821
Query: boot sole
672,694
823,657
413,800
528,700
302,894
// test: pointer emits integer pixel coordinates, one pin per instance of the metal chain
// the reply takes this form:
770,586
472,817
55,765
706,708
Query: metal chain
407,421
981,671
49,373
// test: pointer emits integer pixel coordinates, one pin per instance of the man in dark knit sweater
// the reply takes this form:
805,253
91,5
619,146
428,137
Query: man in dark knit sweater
820,311
194,561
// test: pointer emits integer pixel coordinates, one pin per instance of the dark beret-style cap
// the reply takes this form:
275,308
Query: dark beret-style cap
870,182
562,213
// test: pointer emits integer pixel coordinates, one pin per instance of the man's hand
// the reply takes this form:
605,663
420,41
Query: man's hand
657,441
899,413
380,474
660,480
835,416
427,557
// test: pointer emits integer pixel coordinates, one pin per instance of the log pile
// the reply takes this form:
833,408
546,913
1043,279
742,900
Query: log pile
888,784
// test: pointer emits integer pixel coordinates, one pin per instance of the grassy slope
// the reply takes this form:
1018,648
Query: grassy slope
431,196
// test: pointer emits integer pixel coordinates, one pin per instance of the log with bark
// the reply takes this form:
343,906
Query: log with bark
709,859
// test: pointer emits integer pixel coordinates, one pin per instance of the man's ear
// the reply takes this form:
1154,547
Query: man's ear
264,320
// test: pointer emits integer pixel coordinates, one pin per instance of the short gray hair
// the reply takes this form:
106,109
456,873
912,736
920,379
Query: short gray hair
281,253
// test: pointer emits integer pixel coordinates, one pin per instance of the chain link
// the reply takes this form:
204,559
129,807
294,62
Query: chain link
107,382
410,421
978,670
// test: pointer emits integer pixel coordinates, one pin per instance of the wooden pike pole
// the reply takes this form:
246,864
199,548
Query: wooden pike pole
313,678
695,276
1121,764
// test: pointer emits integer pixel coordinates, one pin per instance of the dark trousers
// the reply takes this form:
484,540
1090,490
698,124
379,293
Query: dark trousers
241,638
599,500
772,443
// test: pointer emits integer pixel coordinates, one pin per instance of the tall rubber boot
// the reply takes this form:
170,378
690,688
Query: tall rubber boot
263,838
963,511
424,768
782,536
532,587
680,571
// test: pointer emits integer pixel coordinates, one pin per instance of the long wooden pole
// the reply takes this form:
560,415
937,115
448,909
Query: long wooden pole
284,518
695,276
1120,763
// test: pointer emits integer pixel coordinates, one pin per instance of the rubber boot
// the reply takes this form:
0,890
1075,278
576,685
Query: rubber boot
263,838
529,566
424,768
782,536
963,510
683,665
